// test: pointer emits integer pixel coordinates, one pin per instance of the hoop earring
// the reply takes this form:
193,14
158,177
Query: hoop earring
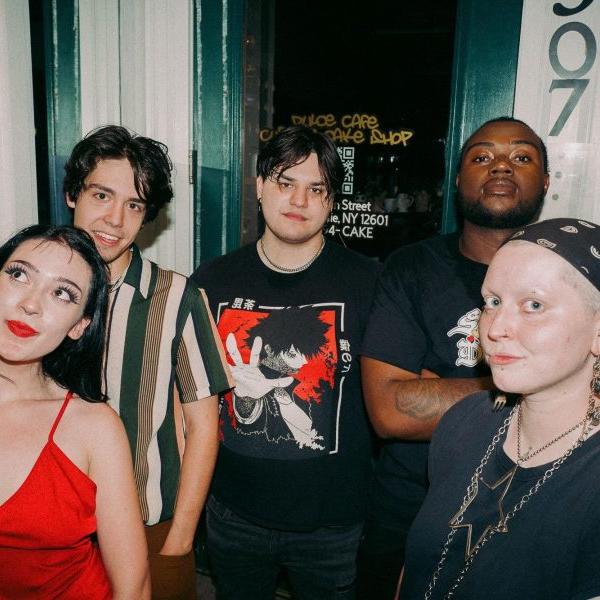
260,204
595,383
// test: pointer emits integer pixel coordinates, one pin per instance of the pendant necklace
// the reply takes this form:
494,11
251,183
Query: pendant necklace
590,421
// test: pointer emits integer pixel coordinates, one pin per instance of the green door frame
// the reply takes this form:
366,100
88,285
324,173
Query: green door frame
486,51
61,41
483,87
217,126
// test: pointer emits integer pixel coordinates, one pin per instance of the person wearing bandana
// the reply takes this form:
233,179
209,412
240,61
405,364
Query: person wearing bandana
421,352
513,508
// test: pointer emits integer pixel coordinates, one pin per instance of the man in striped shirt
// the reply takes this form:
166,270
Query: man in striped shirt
161,351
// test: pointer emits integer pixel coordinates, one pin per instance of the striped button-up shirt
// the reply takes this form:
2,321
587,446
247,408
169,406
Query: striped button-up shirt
160,335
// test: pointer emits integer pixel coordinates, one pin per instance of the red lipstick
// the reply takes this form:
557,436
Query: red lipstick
21,329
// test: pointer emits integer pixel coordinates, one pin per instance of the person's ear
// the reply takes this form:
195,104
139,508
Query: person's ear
259,187
77,330
457,180
596,339
546,182
70,202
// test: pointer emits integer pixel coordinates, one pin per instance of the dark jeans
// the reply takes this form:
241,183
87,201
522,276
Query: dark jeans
380,560
246,558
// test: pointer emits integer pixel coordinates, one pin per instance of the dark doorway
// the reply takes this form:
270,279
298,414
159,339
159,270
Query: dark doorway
375,76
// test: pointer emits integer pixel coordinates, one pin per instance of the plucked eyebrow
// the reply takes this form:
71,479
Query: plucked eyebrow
33,268
69,282
292,180
107,190
512,143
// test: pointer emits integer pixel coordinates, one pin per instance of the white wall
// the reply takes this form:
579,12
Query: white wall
136,71
558,56
18,194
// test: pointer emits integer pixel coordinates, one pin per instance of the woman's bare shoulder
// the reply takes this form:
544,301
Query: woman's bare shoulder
96,419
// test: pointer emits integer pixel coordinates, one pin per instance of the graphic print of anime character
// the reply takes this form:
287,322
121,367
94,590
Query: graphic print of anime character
266,399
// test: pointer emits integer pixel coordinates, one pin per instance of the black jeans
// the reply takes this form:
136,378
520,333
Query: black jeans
380,560
246,558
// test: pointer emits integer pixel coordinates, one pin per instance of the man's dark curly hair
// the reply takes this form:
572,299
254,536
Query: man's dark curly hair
148,158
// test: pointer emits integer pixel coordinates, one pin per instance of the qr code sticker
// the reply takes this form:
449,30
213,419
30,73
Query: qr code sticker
346,152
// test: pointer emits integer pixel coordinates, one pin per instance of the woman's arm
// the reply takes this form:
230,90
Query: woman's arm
120,528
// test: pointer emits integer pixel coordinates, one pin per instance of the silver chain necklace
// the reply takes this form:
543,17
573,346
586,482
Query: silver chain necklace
592,416
294,269
531,453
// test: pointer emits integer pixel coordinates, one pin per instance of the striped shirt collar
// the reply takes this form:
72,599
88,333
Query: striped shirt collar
139,272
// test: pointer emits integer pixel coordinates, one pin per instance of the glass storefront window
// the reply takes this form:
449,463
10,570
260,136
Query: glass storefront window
375,77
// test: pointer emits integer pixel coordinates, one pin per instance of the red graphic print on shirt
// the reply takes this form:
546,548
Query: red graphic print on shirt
283,361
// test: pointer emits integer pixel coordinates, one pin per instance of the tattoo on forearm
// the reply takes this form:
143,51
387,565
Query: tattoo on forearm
420,406
426,399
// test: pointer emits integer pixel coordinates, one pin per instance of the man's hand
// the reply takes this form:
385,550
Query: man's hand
427,374
174,543
199,456
249,381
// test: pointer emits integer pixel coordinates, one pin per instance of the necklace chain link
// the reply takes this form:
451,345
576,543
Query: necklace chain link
531,453
294,269
592,416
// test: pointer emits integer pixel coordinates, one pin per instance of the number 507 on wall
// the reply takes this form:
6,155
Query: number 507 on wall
571,78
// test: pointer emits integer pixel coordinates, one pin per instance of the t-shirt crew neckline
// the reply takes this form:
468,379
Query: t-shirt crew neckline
456,247
529,473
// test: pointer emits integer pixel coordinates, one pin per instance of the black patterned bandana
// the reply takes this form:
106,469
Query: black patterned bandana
575,240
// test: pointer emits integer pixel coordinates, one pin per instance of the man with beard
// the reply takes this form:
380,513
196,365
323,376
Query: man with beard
421,350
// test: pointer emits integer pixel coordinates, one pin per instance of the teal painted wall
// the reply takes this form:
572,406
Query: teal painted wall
61,41
217,119
484,76
218,126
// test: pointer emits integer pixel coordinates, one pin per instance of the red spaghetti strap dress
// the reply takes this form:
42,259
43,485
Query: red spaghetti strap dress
47,528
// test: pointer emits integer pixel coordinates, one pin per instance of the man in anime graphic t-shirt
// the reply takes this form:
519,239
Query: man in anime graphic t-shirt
289,490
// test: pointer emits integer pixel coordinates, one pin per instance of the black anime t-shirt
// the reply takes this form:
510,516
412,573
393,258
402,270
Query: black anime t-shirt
295,441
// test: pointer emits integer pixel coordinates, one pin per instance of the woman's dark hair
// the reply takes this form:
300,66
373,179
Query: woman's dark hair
148,158
293,145
75,364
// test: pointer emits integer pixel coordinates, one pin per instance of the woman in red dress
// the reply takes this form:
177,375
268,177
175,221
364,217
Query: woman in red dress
70,524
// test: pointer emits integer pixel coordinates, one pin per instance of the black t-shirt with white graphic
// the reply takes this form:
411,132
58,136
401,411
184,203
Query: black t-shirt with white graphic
424,316
296,447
